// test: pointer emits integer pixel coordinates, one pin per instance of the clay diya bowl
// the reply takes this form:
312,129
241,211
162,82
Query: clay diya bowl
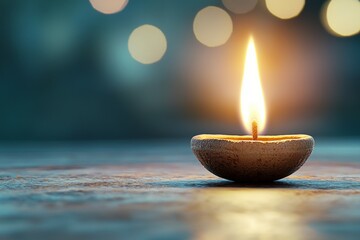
241,159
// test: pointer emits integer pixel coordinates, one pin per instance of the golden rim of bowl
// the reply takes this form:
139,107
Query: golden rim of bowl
265,138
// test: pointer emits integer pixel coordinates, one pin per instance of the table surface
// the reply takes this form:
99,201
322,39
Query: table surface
158,190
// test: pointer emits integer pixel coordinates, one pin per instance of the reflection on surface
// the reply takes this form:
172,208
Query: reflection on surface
251,214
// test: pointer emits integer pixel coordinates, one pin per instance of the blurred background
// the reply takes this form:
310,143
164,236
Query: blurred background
159,69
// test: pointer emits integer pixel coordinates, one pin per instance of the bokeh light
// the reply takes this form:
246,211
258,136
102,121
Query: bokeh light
240,6
212,26
109,6
342,17
285,9
147,44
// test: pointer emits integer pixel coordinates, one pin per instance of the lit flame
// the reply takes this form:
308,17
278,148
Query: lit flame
252,103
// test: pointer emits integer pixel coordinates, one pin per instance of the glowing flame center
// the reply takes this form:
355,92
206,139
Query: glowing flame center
252,103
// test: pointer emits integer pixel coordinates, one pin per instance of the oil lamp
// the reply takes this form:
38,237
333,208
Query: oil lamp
252,158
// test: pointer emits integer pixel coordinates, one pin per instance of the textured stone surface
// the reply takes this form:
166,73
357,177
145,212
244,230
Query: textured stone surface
164,193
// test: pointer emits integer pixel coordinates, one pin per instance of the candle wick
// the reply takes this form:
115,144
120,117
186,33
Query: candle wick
254,130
